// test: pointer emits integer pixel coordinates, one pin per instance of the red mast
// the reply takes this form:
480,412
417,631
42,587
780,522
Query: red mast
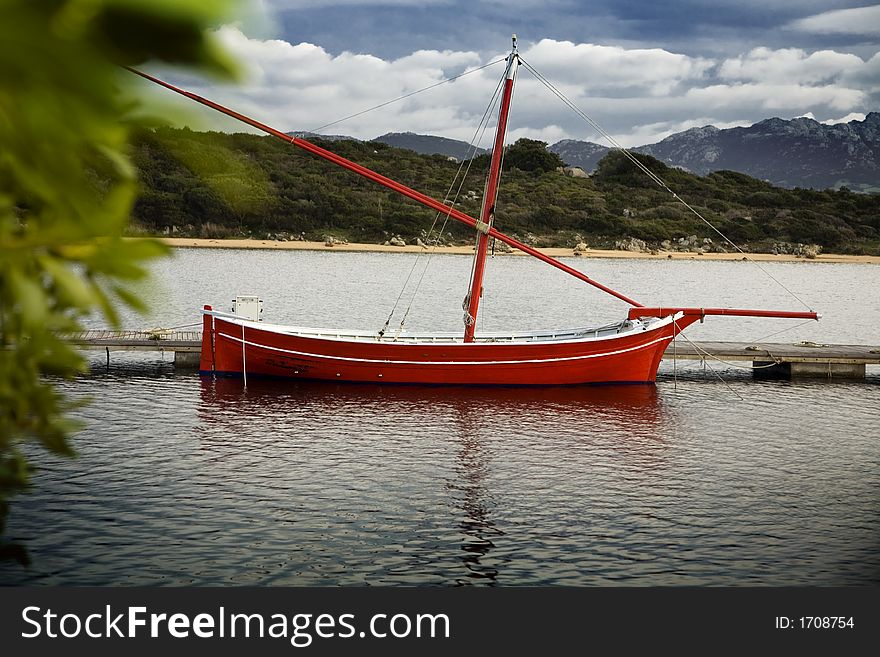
487,213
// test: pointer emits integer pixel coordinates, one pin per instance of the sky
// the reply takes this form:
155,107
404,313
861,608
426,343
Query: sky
641,69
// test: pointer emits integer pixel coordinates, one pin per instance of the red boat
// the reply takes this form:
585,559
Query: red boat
626,352
239,344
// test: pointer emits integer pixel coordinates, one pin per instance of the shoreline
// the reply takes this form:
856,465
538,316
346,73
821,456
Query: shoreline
555,252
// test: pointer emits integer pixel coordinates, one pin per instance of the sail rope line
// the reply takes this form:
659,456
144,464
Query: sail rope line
660,182
471,152
436,218
775,362
405,96
428,237
477,139
789,328
465,303
493,209
654,177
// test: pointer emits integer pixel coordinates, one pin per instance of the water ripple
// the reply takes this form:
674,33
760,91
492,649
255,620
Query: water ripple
692,482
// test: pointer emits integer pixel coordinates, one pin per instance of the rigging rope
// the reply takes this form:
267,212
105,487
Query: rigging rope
653,176
405,96
493,207
789,328
471,152
472,148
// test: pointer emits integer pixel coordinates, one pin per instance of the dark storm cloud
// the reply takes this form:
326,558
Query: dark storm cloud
391,29
644,70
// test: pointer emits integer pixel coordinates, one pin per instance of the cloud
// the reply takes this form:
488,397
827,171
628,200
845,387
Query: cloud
867,77
852,116
777,98
302,86
638,95
789,65
390,28
859,20
602,68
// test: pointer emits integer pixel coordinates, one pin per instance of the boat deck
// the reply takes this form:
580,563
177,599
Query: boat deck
564,335
777,359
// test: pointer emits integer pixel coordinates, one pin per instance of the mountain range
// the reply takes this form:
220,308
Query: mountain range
430,145
215,184
788,153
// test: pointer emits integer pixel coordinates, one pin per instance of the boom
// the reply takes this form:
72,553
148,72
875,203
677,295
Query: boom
461,216
386,182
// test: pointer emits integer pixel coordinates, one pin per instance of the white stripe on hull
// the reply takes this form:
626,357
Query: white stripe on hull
443,362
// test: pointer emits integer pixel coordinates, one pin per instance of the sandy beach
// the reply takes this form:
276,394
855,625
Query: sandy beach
189,242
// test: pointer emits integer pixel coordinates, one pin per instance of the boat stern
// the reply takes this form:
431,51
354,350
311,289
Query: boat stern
207,361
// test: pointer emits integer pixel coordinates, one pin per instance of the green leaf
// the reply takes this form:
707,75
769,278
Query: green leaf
71,290
30,298
67,188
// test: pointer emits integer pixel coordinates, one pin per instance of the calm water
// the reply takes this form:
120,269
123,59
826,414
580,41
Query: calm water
707,478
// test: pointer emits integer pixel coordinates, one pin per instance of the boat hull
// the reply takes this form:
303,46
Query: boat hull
237,348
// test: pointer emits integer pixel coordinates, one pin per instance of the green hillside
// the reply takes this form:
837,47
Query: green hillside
211,184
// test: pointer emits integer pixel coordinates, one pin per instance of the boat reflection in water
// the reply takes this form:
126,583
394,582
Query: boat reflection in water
443,472
635,408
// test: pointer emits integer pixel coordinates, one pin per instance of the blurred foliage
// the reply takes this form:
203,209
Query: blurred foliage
66,191
282,190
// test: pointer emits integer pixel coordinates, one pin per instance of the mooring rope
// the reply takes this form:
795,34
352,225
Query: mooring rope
712,369
776,361
163,329
703,352
675,332
243,358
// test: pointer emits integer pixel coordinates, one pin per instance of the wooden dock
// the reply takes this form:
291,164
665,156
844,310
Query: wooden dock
803,359
793,360
185,345
148,340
